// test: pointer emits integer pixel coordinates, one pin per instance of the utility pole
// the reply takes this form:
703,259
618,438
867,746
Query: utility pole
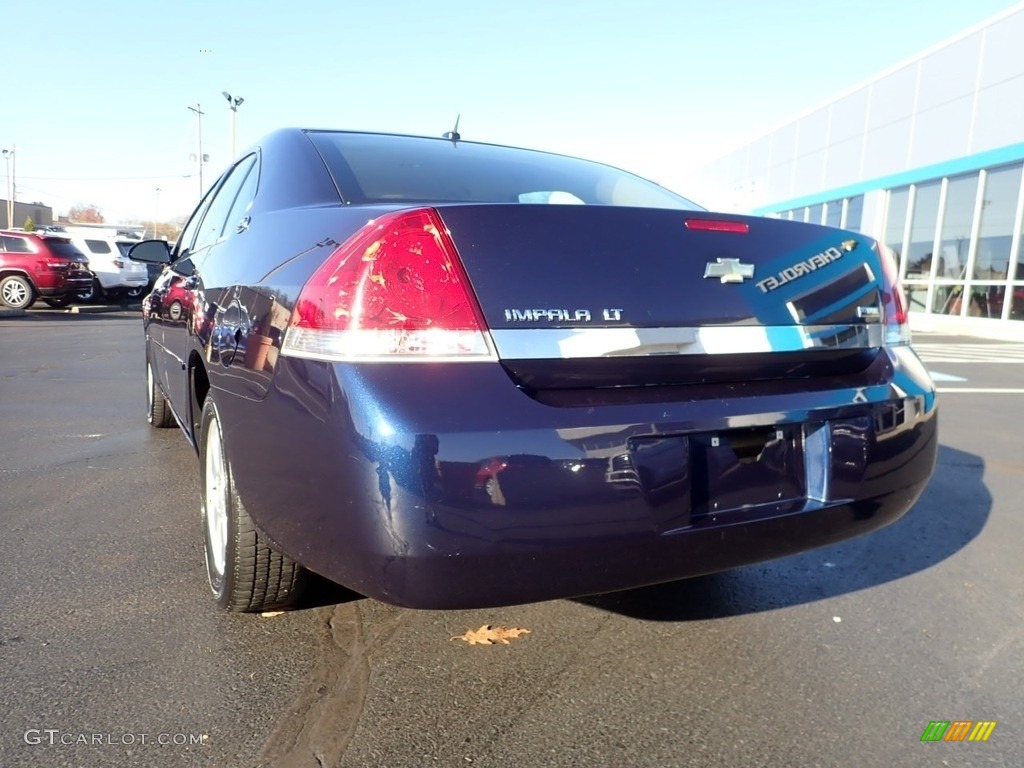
199,141
11,188
233,105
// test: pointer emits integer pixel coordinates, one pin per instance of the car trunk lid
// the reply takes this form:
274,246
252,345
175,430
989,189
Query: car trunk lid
608,296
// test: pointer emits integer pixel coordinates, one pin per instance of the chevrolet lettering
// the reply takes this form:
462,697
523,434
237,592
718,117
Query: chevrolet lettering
801,268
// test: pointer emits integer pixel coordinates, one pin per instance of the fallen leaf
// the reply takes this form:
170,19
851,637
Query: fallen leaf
490,635
270,614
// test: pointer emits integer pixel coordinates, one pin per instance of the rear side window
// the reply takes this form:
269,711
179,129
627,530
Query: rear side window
98,246
214,223
16,244
370,168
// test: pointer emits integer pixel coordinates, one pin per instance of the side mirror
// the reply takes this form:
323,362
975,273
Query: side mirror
151,252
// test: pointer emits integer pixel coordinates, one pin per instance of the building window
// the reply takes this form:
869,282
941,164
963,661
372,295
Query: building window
957,222
949,267
922,231
834,213
854,213
995,235
895,222
1017,305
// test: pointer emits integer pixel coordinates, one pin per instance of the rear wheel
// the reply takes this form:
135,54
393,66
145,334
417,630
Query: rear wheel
245,573
17,292
158,412
57,302
92,294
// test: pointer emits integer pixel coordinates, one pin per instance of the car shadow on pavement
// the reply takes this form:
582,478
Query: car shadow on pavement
321,592
950,513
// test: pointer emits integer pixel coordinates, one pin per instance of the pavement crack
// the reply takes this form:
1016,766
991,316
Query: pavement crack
323,717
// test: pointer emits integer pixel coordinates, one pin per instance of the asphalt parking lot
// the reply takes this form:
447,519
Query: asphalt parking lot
113,653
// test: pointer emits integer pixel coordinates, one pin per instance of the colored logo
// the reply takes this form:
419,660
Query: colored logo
958,730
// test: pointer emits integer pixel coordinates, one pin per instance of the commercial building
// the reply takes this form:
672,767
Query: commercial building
927,157
39,213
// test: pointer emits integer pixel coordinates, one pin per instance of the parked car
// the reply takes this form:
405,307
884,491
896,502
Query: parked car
448,374
40,265
115,274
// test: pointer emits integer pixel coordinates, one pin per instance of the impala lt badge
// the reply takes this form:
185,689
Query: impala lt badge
729,270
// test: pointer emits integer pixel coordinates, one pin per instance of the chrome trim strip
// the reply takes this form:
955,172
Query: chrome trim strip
573,343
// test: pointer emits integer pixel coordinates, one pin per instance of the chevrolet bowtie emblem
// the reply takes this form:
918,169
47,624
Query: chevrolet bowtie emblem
729,270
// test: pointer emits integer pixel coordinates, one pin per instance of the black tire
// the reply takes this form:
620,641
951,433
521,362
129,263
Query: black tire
58,302
136,292
17,292
245,573
158,411
93,294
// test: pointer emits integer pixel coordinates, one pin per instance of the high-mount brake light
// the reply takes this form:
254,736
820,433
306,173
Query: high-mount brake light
394,291
718,225
894,300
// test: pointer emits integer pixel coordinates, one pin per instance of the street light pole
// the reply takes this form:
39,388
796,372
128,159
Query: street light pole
233,105
156,214
199,140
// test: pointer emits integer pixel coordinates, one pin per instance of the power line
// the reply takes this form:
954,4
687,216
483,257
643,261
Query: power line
110,178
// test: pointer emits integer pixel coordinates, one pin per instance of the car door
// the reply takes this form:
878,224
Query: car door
189,301
167,362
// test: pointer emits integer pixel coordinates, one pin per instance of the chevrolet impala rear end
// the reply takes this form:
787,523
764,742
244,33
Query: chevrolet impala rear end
450,375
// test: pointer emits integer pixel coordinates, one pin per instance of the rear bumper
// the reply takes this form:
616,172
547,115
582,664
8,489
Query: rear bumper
439,488
115,280
507,574
63,285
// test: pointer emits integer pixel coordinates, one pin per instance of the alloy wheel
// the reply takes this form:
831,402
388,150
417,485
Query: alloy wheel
216,502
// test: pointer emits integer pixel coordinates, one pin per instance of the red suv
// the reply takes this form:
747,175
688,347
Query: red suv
36,265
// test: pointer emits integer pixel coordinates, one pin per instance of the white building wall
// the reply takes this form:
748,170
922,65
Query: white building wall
931,129
960,98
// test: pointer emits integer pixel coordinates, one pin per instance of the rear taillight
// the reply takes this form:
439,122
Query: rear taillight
894,300
395,290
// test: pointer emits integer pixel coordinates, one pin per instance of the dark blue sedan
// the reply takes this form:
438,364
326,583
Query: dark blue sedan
448,374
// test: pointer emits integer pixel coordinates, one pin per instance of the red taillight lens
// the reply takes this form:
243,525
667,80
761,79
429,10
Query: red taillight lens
894,300
718,225
394,290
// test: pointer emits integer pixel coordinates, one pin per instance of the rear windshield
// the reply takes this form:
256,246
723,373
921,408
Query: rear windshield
64,248
98,246
372,168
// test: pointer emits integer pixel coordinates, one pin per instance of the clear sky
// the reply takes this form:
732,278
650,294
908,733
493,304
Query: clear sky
97,94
